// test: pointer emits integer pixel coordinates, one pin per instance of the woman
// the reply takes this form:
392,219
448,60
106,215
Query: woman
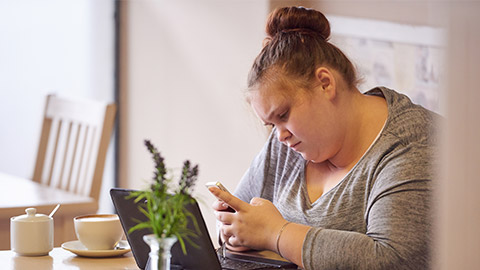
344,180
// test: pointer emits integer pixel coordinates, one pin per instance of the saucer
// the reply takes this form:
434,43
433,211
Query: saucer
78,248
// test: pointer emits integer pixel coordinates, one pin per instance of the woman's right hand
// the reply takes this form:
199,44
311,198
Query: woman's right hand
219,205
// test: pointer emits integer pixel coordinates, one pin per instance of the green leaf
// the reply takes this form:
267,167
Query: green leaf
165,209
139,226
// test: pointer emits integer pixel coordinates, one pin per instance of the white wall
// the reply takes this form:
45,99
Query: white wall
458,235
184,76
50,46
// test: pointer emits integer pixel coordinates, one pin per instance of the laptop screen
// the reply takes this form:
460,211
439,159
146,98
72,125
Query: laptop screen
128,212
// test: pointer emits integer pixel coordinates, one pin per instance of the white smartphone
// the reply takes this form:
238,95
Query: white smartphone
218,185
221,187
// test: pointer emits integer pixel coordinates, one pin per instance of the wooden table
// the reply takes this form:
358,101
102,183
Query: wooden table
19,193
59,258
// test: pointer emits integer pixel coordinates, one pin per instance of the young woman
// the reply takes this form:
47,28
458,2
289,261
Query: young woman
344,181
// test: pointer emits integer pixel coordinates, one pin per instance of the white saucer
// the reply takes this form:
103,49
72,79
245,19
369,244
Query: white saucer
78,248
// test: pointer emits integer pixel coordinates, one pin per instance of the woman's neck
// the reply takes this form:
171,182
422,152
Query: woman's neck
364,117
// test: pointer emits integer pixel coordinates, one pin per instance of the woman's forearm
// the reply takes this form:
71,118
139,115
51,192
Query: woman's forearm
290,243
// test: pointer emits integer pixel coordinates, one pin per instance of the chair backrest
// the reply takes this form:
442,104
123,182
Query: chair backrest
73,144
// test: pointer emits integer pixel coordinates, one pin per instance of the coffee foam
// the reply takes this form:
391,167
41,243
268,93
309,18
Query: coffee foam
97,218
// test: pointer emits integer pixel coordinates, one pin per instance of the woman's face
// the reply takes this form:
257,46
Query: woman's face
304,119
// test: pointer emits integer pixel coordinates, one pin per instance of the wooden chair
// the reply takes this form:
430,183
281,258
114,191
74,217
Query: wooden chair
71,155
73,145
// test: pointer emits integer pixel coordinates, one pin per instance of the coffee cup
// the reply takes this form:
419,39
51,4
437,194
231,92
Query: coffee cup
98,231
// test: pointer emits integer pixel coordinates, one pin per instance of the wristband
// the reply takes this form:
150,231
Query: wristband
278,237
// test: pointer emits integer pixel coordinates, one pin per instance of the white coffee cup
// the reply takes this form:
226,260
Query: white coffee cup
31,234
98,231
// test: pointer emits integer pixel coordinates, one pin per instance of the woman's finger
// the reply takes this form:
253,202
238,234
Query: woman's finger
234,241
226,232
224,217
218,205
229,199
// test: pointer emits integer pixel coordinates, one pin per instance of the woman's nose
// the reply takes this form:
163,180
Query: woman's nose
283,134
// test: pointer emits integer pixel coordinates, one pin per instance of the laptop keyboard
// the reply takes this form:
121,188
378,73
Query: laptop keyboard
230,264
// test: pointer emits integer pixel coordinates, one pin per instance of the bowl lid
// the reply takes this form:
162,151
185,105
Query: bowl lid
31,216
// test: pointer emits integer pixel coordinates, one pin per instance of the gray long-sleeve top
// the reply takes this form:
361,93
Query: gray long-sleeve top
379,216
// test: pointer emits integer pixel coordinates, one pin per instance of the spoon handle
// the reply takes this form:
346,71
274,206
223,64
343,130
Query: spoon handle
54,210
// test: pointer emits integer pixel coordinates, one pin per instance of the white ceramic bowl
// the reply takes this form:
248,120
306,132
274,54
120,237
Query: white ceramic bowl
31,234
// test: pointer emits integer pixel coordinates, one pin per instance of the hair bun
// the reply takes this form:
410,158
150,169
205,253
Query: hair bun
289,19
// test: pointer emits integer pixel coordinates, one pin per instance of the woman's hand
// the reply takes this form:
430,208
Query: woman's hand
219,205
253,225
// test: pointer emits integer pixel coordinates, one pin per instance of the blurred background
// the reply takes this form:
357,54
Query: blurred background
177,71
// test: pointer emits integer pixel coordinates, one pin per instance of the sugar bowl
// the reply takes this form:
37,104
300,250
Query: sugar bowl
31,234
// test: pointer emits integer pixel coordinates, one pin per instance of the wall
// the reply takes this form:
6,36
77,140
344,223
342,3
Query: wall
458,236
50,46
184,71
404,57
420,12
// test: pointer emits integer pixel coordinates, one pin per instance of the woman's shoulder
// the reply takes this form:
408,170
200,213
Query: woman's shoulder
408,122
407,148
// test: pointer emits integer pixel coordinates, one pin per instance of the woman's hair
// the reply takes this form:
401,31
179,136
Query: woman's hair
295,46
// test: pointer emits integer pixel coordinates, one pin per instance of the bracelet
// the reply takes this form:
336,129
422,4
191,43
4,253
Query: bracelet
278,237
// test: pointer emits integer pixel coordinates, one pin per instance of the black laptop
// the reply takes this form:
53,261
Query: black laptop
205,257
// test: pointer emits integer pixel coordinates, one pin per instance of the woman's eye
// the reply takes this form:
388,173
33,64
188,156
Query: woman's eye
284,115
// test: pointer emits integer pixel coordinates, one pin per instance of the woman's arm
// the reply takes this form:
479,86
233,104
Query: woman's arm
259,225
290,242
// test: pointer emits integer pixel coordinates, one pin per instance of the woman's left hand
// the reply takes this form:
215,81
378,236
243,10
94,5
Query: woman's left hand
254,225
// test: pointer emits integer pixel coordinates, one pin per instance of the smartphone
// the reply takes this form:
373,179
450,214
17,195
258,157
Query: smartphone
218,185
221,187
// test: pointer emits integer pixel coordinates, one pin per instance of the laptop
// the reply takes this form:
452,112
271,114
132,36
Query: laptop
205,257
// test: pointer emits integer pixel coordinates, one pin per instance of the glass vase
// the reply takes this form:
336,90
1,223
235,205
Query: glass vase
159,251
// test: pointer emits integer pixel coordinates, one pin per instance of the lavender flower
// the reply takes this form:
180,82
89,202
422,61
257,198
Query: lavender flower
188,178
160,170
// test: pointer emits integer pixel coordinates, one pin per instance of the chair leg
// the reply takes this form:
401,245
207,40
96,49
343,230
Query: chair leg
64,230
4,234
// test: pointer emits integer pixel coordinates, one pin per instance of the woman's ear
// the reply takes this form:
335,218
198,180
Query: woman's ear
326,82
